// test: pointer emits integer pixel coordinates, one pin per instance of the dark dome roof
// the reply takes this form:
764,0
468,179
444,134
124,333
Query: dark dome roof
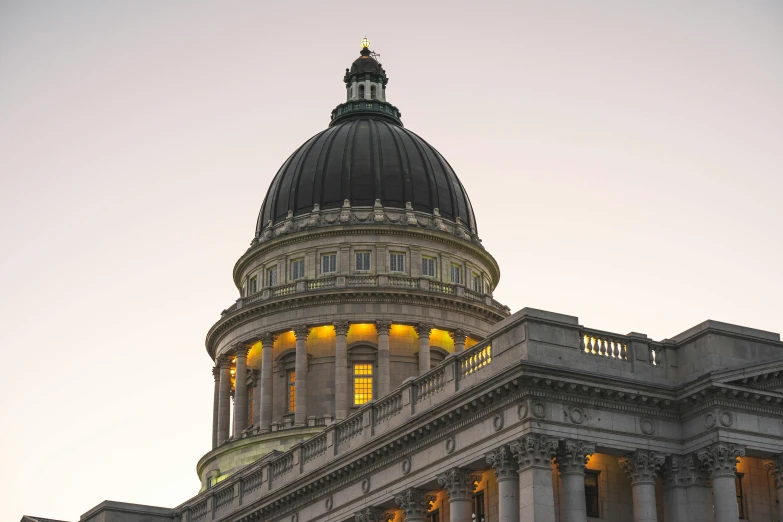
362,159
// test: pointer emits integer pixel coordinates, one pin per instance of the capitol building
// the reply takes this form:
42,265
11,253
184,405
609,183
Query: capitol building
367,374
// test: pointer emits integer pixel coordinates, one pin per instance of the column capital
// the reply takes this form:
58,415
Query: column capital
301,332
458,483
534,451
216,372
775,468
241,349
572,456
267,339
676,471
642,466
373,514
720,458
413,502
423,330
502,461
458,335
224,362
383,327
341,327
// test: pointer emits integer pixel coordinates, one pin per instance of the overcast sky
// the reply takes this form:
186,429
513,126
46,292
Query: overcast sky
623,160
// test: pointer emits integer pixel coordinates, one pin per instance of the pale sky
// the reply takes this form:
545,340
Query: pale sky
623,160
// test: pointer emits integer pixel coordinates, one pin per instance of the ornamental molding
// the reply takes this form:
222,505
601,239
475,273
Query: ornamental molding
774,467
458,483
642,466
382,327
534,451
341,327
572,455
675,471
502,461
413,502
720,458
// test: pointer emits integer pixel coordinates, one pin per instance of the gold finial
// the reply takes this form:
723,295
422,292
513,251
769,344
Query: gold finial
365,43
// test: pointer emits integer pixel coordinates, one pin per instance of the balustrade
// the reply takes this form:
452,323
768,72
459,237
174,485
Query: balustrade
317,284
224,497
403,282
283,290
472,294
475,359
199,511
387,408
252,481
437,286
349,428
594,343
282,465
363,280
429,384
314,447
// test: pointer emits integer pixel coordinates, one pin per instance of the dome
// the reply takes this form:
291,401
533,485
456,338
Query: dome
363,159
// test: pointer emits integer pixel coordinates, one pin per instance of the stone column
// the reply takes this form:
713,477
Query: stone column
720,459
224,399
459,337
571,458
267,347
459,486
423,331
370,514
533,454
505,468
675,496
341,370
300,414
414,504
384,374
698,491
775,467
642,466
215,406
240,390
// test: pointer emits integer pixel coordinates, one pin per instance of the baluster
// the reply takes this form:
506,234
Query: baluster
582,346
611,346
592,342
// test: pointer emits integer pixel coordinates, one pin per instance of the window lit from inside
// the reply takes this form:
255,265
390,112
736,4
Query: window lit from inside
297,269
362,261
291,391
591,494
328,263
362,383
428,267
397,262
456,274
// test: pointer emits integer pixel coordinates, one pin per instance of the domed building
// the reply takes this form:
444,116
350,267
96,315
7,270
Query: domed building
366,374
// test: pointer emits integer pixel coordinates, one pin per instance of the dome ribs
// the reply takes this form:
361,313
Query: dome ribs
301,199
345,180
376,153
332,196
267,211
405,167
392,191
443,187
422,192
323,161
286,186
362,193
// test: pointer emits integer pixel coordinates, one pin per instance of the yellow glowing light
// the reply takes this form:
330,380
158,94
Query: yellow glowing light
234,360
365,43
362,383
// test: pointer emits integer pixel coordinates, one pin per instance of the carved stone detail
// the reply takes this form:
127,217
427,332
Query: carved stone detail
241,349
458,336
676,471
698,473
341,327
642,466
216,373
370,514
534,451
383,327
406,466
572,455
301,332
503,463
423,330
721,458
267,339
451,444
224,362
775,468
457,483
413,502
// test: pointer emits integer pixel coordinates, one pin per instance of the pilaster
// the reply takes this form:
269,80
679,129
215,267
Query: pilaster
384,371
300,415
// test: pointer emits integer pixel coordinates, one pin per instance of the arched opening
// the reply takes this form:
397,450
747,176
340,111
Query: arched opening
361,91
372,92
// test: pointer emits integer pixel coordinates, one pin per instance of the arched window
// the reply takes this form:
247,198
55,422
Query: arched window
361,91
372,92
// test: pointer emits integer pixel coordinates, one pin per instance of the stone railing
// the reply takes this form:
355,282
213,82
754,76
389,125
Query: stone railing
318,284
593,342
315,447
282,465
278,291
475,359
349,428
387,407
224,497
199,510
430,383
403,282
437,286
362,280
252,481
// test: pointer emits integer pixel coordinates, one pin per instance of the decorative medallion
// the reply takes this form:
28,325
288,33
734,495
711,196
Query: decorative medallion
577,415
451,444
522,411
709,420
647,425
539,409
329,503
726,418
366,485
406,466
497,422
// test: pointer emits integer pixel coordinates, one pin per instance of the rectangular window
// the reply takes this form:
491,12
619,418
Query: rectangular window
433,516
362,383
740,499
478,506
252,286
591,494
210,482
291,391
362,261
428,267
456,274
328,263
297,269
476,283
397,262
271,277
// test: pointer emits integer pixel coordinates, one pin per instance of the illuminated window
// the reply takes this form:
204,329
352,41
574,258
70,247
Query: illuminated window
740,499
362,383
328,263
297,269
428,267
456,274
397,262
292,391
362,261
271,277
252,286
591,494
250,402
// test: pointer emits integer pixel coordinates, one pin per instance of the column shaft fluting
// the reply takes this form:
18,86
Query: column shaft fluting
423,331
224,398
384,375
240,392
215,406
300,413
267,346
341,369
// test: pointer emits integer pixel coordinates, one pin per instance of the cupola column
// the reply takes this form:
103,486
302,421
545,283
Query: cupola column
384,376
571,459
533,454
341,369
721,461
224,398
459,486
267,344
459,337
423,331
240,390
300,416
642,467
215,405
